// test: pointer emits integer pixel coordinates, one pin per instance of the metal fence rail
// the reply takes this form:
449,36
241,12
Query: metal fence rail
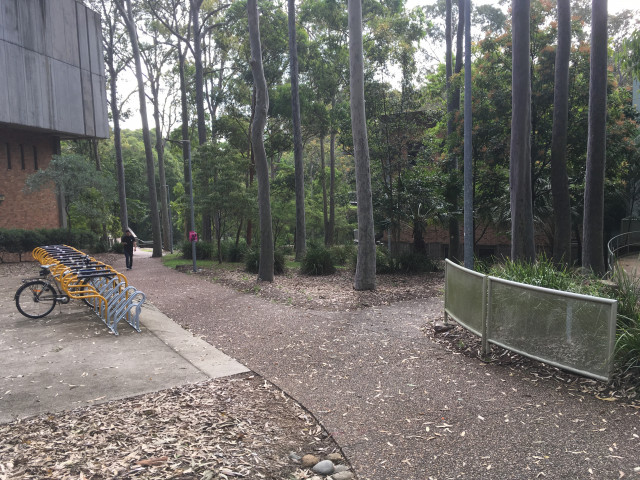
568,330
622,244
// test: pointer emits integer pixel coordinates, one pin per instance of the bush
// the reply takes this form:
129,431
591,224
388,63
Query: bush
342,254
414,263
384,262
232,252
204,250
23,241
252,261
317,261
117,247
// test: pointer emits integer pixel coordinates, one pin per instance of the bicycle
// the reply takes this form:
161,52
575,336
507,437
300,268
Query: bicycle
37,297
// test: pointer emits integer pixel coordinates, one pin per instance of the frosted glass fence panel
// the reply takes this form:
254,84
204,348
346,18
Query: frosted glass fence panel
465,296
570,331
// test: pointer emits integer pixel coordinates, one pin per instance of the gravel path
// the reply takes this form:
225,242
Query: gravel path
400,405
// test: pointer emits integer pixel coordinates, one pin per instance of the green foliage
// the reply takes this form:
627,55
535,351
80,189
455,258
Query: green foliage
118,247
384,262
88,192
19,241
204,250
232,252
342,254
414,262
252,261
628,346
317,261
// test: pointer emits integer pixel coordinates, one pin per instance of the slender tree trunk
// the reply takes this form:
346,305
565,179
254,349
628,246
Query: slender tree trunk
301,236
522,234
166,232
459,53
117,144
325,212
365,278
265,269
199,71
151,177
469,226
559,179
593,226
184,112
454,227
332,188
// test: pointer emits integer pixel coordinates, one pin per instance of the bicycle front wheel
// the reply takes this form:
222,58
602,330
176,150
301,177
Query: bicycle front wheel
36,299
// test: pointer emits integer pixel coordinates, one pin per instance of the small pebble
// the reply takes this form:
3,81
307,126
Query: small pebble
309,461
342,476
334,457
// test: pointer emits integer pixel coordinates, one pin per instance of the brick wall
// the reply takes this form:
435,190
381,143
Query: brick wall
20,153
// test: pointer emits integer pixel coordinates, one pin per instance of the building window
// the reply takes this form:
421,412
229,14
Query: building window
35,158
8,156
22,156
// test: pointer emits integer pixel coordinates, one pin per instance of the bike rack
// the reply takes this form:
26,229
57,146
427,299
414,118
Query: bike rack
103,288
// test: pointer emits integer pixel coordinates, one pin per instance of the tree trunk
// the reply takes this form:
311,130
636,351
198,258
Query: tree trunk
301,237
184,111
148,149
559,179
117,144
199,71
365,278
332,188
265,268
325,212
454,227
522,234
469,226
593,226
164,203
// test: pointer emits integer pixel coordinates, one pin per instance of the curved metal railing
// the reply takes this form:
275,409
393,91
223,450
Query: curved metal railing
624,243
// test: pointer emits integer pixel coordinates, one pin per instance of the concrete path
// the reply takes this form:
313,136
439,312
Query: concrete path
70,359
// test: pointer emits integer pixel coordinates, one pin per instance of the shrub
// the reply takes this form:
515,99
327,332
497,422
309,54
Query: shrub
414,263
317,261
204,250
252,261
117,247
232,252
384,262
342,254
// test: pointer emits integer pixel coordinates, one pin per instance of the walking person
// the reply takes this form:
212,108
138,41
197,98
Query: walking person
130,245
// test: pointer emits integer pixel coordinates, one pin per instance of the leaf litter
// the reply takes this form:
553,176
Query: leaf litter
234,427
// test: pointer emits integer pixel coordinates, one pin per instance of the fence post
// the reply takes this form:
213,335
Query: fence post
486,309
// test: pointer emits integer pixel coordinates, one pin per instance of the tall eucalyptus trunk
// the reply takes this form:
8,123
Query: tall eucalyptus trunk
365,278
301,236
559,179
266,264
522,233
593,224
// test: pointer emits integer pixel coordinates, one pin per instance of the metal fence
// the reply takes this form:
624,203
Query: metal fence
621,245
568,330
